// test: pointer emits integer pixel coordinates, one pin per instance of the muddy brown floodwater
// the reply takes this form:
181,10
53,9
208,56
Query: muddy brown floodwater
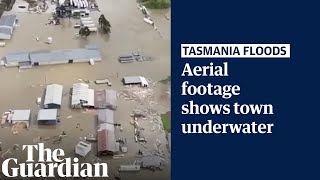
20,89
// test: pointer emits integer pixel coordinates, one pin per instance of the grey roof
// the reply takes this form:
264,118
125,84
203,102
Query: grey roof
4,30
62,55
21,115
53,94
17,57
105,116
8,20
132,79
47,114
56,55
80,93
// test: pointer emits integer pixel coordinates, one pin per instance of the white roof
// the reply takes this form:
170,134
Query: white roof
144,81
53,94
47,114
90,98
83,148
21,115
135,80
80,92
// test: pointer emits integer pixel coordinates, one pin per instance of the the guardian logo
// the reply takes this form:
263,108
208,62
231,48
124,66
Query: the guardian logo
53,163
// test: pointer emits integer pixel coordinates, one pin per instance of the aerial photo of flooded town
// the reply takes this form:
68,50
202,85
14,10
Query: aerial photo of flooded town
91,77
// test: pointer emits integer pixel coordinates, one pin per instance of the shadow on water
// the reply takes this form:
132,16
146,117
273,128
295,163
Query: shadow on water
105,36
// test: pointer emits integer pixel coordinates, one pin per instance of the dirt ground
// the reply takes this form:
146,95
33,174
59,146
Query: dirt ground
20,88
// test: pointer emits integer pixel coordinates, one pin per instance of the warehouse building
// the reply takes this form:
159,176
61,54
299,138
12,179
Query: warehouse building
82,96
38,58
48,116
53,97
7,24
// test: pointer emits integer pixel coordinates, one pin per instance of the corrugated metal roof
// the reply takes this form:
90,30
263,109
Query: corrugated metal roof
56,55
63,55
136,80
132,79
47,114
21,115
106,140
80,93
90,102
105,116
17,57
6,31
105,99
53,94
8,20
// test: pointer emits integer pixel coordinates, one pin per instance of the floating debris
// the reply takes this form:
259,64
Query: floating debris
138,94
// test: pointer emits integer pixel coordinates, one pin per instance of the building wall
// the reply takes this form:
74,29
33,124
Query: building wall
42,63
47,122
52,106
81,60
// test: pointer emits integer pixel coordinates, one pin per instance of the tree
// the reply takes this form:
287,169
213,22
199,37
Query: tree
84,31
104,24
